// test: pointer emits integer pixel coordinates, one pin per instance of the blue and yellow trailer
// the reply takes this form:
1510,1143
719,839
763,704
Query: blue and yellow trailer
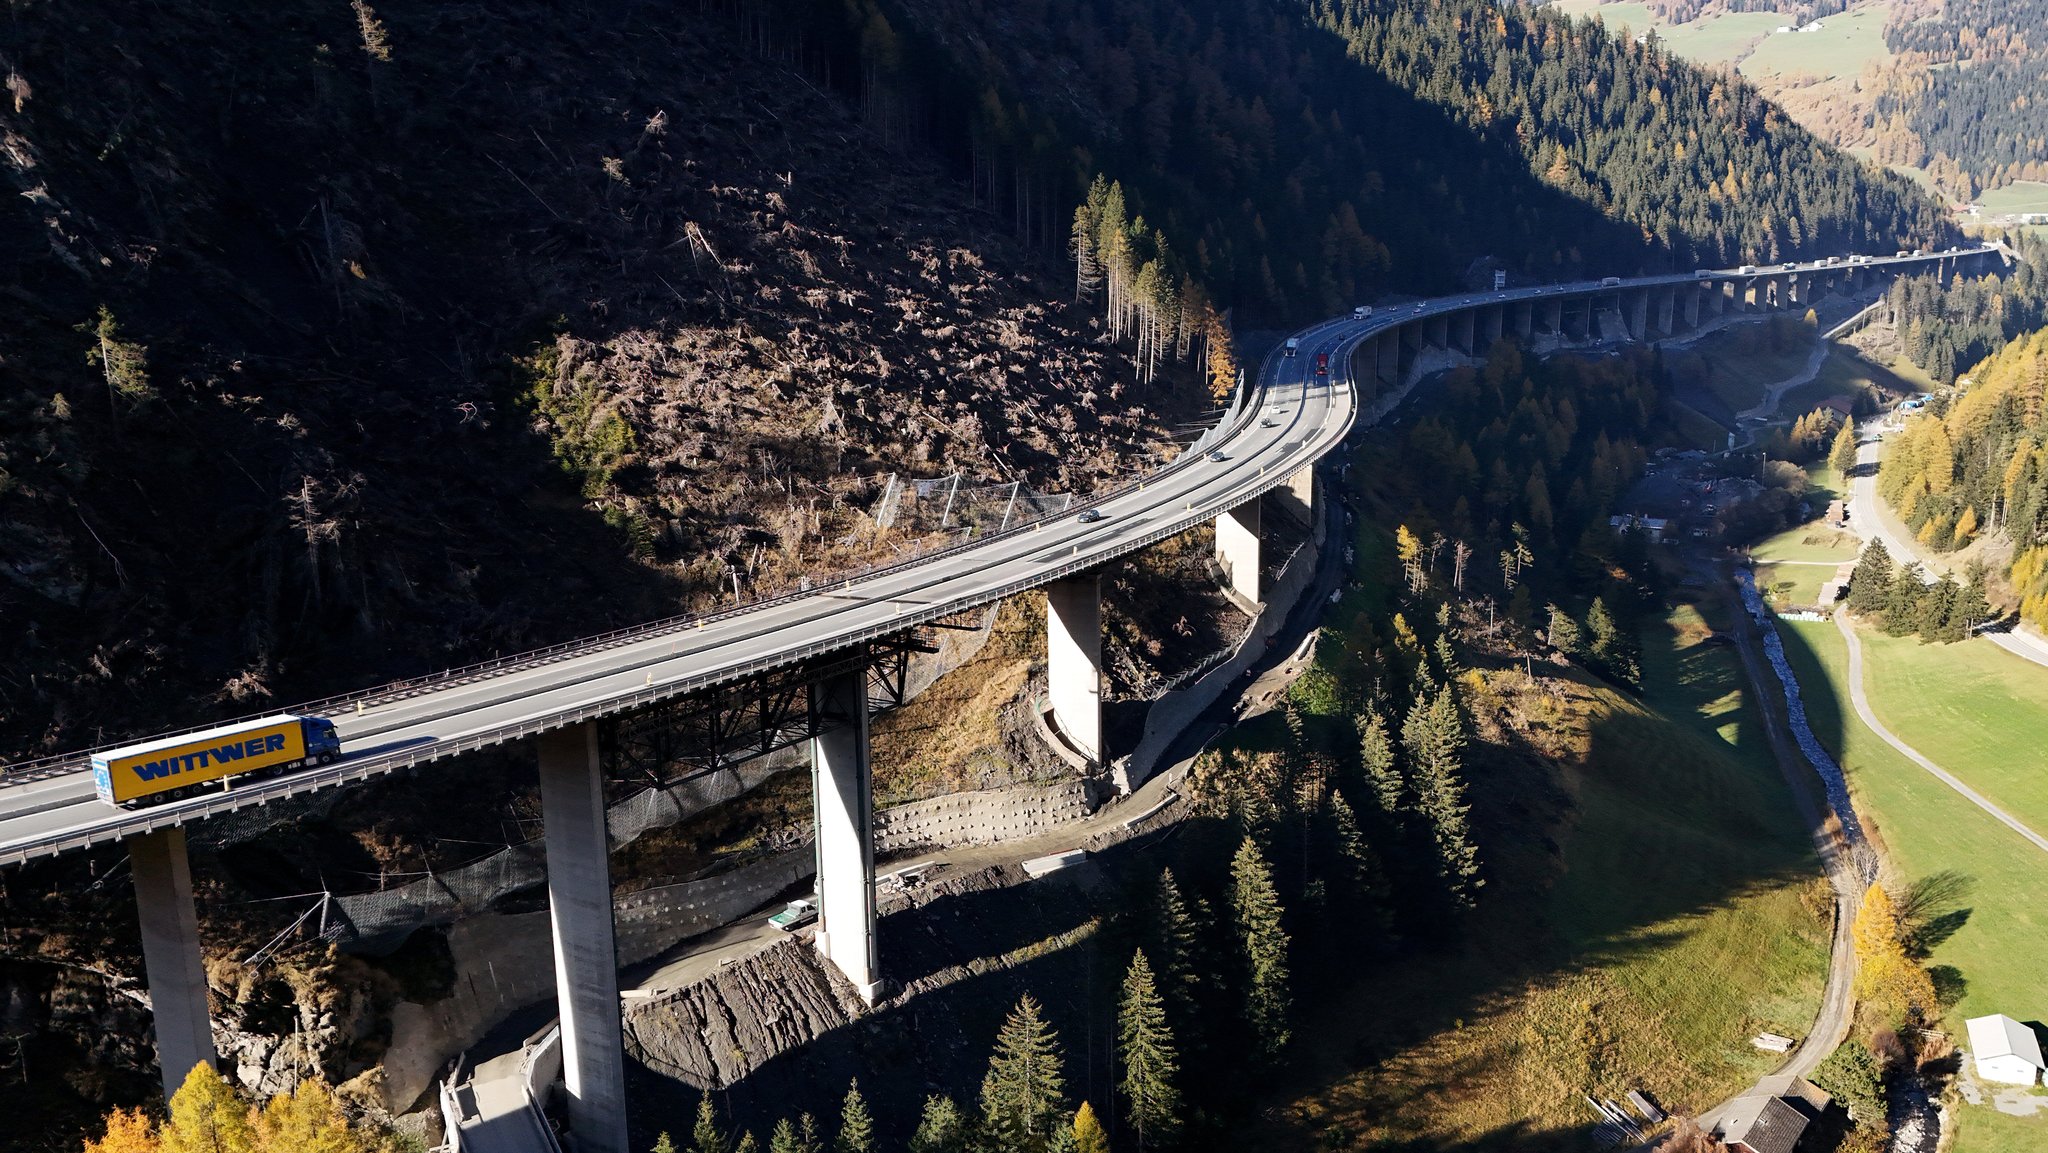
170,768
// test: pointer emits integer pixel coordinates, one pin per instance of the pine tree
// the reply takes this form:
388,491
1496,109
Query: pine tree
1972,608
1145,1044
1361,865
1376,751
1902,603
1089,1136
1611,644
664,1143
1870,584
783,1139
856,1127
942,1128
705,1136
1177,943
1842,457
1023,1095
1434,738
1564,632
1262,937
747,1144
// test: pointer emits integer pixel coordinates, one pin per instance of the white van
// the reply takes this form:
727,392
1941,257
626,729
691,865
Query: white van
1292,346
1611,282
1361,312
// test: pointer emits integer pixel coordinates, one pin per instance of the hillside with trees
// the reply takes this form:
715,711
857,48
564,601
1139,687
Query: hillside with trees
1975,470
1303,157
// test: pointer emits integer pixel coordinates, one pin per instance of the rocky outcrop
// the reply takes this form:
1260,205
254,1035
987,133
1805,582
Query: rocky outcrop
712,1033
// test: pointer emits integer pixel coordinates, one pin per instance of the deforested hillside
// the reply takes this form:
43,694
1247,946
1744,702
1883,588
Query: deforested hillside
343,342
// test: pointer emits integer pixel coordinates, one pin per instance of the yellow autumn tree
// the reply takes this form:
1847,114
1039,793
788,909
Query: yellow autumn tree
128,1131
1089,1135
1886,977
208,1116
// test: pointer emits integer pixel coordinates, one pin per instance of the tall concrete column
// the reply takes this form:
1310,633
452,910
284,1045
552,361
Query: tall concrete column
842,800
586,962
1637,309
1073,661
1296,498
170,954
1237,549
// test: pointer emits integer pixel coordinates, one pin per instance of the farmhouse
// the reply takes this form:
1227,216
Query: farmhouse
2006,1051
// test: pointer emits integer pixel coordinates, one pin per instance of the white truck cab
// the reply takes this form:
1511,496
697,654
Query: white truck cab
1361,312
1292,346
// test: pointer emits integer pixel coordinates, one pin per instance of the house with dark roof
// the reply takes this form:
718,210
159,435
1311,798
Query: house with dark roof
1773,1117
1761,1125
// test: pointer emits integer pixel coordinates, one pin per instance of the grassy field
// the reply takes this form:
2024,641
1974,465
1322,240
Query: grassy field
1842,46
1846,373
1686,914
1711,40
1740,363
2022,196
1993,956
1980,712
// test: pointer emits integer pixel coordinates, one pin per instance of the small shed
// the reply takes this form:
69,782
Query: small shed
1761,1124
2006,1051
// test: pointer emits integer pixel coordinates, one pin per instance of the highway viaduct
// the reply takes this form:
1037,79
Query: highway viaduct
814,665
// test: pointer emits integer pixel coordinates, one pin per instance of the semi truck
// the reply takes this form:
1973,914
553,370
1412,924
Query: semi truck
172,768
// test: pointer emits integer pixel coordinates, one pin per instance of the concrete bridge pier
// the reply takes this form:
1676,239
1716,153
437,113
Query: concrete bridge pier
586,962
1666,312
1464,332
1237,549
1635,307
1073,661
842,800
170,954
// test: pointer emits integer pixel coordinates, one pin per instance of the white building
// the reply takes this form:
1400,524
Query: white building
2006,1051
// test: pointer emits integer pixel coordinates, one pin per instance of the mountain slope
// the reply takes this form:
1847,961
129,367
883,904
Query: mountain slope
450,330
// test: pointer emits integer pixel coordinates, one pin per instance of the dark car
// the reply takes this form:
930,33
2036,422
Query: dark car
1090,515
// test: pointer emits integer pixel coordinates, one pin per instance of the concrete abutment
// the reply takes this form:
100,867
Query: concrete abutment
171,960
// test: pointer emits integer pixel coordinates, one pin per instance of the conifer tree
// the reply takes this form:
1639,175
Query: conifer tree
207,1116
1564,632
1023,1095
1177,943
128,1131
664,1143
1263,939
1145,1045
856,1126
1870,583
1376,751
1363,866
942,1128
783,1139
1842,457
705,1136
1434,738
746,1144
1089,1135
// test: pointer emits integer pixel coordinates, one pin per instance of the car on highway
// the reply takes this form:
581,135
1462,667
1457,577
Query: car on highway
1293,344
1269,422
795,916
1322,364
1090,515
1361,312
1218,455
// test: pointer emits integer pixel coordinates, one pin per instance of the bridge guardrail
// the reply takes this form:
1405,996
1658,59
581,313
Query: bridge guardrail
23,772
59,764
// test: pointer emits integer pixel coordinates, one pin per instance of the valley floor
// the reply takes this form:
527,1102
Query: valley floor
1684,911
